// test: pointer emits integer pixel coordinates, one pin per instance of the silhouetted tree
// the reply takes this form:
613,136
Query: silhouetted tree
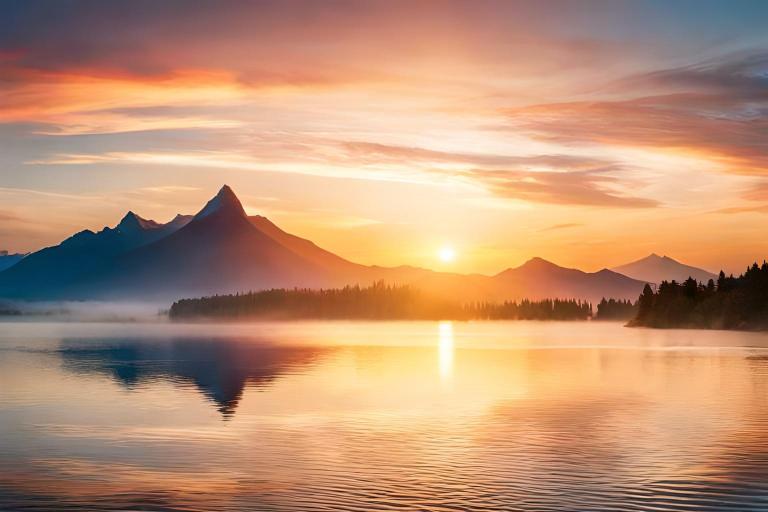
613,309
730,303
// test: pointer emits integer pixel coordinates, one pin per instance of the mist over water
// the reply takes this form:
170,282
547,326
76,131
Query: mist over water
86,311
388,415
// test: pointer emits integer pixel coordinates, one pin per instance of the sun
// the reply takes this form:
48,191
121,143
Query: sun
446,254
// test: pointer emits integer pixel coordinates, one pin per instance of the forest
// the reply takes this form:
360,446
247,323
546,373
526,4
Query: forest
612,309
379,301
730,303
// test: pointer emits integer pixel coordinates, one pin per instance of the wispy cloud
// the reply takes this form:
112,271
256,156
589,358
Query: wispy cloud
553,179
6,216
754,200
386,153
557,227
591,187
760,208
717,110
233,160
71,103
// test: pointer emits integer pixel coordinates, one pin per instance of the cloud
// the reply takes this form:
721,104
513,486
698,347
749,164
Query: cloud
6,216
740,75
557,227
761,208
590,187
169,189
232,160
552,179
716,111
757,197
757,192
555,179
69,103
73,65
293,42
386,153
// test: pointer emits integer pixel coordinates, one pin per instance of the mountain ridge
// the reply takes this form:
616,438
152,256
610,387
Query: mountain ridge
7,260
223,250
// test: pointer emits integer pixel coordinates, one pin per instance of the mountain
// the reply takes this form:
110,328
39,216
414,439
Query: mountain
50,272
655,269
8,260
219,251
222,250
536,279
539,279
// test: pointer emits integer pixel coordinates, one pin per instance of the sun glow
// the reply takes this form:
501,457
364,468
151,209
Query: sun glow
446,254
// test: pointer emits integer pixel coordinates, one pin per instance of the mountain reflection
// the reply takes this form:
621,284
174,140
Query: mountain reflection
219,368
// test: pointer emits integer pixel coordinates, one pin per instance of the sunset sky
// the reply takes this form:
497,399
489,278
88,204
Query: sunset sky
587,133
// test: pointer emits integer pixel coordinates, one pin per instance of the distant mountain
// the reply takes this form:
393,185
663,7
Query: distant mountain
538,279
51,272
8,260
222,250
655,269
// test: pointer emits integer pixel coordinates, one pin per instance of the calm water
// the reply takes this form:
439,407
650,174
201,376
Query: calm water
381,416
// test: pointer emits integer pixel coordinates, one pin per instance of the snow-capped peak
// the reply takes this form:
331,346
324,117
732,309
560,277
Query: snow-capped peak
225,200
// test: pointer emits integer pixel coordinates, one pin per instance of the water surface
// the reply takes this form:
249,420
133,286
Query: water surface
381,416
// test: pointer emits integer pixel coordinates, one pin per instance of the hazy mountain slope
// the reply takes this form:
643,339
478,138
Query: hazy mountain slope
536,279
309,251
539,279
48,273
9,260
343,272
655,269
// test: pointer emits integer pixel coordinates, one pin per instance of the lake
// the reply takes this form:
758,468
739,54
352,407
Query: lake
333,416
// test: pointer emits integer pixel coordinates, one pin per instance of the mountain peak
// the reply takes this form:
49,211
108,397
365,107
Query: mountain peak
538,262
131,221
535,264
224,201
654,269
179,221
656,257
653,257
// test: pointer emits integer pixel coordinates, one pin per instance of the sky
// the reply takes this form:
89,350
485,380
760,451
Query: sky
588,133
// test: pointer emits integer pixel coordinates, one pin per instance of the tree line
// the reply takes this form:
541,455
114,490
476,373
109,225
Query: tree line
612,309
546,309
728,303
379,301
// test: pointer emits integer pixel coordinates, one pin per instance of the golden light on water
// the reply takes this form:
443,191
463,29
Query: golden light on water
505,398
445,348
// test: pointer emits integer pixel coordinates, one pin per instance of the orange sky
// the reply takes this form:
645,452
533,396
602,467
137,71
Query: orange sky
589,134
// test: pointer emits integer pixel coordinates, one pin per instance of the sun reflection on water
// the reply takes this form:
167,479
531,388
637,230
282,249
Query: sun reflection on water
445,350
